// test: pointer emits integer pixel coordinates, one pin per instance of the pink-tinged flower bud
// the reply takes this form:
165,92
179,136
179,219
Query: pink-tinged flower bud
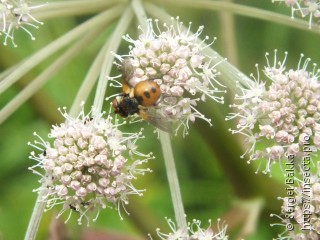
61,190
48,165
66,179
92,187
58,171
81,192
52,153
75,185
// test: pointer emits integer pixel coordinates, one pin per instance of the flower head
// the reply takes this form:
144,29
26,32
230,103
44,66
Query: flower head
175,59
87,167
300,212
194,232
16,15
284,116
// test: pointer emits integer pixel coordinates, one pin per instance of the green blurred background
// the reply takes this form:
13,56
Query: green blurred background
207,185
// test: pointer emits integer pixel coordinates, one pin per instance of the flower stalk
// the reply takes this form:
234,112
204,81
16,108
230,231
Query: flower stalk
166,145
173,180
59,9
114,41
44,76
89,81
242,11
36,216
103,18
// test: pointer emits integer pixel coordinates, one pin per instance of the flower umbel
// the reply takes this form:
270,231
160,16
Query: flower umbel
175,59
194,232
284,116
89,165
15,15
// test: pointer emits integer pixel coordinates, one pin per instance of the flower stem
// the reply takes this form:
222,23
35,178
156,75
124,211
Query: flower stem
88,82
242,10
140,13
113,46
59,9
228,36
173,180
36,216
166,144
76,33
44,76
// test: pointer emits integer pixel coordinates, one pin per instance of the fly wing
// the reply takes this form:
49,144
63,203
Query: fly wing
152,116
127,70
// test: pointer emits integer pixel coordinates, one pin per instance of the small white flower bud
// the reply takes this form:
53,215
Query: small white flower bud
92,187
81,192
75,185
61,190
65,179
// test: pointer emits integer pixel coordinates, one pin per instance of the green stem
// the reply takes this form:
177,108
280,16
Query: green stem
228,36
253,207
36,216
166,145
243,11
43,77
140,13
173,180
40,101
78,32
72,8
8,70
88,82
114,41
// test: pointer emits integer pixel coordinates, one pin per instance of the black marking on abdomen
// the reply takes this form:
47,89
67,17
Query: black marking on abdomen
146,94
139,99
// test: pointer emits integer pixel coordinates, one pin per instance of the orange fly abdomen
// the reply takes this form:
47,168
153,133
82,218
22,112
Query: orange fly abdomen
147,92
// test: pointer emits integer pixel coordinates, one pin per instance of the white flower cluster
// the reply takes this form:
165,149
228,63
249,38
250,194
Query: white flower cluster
303,8
15,14
89,165
284,116
176,60
194,232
